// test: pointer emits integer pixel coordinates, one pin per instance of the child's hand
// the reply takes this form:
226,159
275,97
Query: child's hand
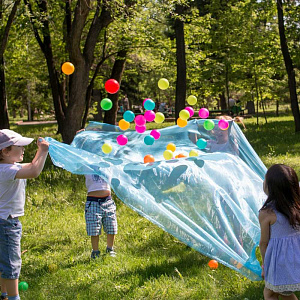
80,130
42,144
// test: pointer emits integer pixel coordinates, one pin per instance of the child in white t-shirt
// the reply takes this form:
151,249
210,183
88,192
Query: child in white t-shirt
100,211
13,175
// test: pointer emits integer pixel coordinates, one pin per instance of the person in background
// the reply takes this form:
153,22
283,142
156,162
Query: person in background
125,103
13,175
279,245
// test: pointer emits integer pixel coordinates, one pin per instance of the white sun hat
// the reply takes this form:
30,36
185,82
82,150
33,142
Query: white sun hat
9,138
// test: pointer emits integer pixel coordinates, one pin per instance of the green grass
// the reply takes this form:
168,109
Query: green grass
151,264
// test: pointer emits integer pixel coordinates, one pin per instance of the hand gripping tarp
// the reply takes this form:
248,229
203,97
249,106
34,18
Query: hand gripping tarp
209,202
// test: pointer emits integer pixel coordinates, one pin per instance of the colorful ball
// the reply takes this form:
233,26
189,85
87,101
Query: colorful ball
124,125
190,110
149,140
193,153
106,148
106,104
163,83
223,124
155,134
112,86
201,143
23,286
184,114
122,139
208,124
149,115
148,159
191,100
128,116
171,147
180,155
181,123
149,104
140,129
203,113
159,117
213,264
168,154
140,120
68,68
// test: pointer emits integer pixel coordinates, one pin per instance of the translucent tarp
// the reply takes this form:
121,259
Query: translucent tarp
209,202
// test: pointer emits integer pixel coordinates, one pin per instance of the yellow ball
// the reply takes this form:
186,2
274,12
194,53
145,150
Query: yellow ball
168,154
184,114
191,100
159,117
106,148
124,125
163,83
171,147
181,123
68,68
193,153
52,268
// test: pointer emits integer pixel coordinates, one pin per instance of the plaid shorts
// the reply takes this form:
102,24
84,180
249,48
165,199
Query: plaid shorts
100,212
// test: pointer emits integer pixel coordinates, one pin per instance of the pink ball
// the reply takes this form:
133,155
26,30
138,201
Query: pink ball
203,113
149,115
122,139
140,120
190,110
223,124
155,134
140,129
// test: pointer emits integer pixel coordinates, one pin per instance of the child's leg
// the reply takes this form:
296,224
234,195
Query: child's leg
2,284
110,240
11,286
95,242
290,297
270,295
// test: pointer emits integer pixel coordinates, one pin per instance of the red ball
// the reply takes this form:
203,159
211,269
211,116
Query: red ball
213,264
111,86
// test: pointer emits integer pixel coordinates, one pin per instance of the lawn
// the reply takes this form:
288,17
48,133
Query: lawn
150,263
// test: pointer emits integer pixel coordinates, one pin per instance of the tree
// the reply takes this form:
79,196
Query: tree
289,66
83,23
4,33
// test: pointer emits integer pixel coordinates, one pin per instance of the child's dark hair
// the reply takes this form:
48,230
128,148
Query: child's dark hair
1,153
283,192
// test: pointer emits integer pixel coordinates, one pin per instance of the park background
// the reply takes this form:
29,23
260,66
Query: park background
213,49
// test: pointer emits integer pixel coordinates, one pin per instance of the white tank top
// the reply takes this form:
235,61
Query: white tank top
96,183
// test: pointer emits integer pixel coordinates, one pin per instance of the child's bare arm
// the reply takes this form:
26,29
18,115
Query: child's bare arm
33,169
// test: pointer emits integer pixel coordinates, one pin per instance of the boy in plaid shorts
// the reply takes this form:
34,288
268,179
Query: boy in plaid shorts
100,210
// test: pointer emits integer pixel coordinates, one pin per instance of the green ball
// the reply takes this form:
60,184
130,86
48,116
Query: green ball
106,104
209,124
23,286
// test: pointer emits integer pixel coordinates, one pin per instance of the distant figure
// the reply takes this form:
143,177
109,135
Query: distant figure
125,103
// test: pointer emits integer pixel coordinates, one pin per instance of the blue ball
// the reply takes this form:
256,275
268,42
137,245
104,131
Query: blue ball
149,140
149,104
201,143
128,116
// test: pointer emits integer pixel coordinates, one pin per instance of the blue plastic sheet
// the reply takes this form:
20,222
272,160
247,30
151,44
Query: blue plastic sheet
209,202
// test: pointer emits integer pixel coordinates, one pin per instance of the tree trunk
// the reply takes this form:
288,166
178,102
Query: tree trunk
181,63
4,121
222,101
289,66
110,116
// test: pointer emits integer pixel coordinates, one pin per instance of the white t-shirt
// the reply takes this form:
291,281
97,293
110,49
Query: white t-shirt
96,183
213,146
12,191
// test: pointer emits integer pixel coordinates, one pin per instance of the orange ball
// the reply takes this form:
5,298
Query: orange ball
213,264
148,159
124,125
181,123
68,68
181,155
